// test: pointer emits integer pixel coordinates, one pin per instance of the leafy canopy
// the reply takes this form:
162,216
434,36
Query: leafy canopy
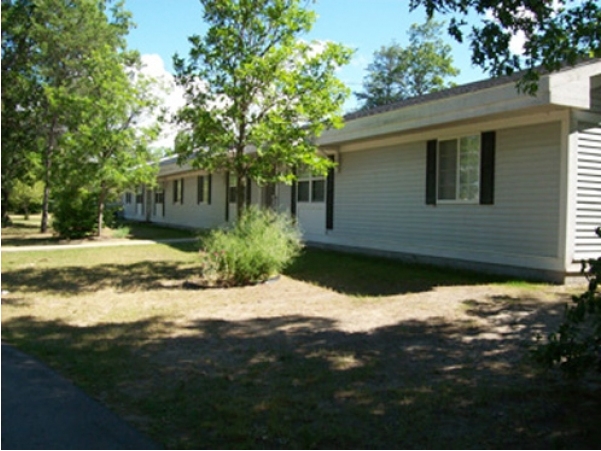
257,95
74,101
554,33
398,72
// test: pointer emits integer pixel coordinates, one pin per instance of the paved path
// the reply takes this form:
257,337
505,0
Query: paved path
42,410
54,247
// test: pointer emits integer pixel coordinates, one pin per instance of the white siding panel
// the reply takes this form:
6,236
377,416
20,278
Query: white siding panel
380,203
588,193
190,213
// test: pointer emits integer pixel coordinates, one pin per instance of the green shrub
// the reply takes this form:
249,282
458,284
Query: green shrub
258,246
121,232
113,216
27,198
75,213
576,346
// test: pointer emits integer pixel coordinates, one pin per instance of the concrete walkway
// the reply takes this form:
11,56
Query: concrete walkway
54,247
42,410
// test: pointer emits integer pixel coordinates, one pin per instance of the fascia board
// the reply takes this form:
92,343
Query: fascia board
572,88
495,100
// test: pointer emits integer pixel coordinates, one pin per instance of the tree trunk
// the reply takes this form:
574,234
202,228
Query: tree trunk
45,202
4,206
240,194
49,151
101,198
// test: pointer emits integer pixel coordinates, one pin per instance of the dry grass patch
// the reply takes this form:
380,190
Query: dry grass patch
317,359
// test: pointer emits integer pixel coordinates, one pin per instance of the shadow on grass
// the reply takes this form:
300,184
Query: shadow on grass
300,382
150,231
345,273
361,275
21,225
29,241
72,280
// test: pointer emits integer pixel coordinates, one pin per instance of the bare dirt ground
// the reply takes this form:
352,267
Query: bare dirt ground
292,364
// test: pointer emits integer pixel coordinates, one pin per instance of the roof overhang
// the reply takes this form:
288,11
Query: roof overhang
568,88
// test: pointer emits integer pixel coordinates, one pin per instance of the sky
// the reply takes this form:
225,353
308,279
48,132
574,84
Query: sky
163,28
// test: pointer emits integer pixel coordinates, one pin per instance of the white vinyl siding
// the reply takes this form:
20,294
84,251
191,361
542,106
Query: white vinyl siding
190,213
379,203
588,193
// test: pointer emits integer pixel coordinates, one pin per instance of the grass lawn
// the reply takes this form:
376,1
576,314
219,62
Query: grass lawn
342,352
26,232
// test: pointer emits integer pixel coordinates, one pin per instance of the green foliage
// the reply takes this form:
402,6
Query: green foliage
73,98
27,198
554,33
252,84
75,213
20,95
121,232
259,245
398,72
576,346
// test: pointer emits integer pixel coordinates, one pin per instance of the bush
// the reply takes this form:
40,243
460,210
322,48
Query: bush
576,346
75,213
121,232
27,199
258,246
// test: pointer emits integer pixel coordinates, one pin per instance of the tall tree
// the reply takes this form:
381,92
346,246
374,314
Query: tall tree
112,150
20,96
398,72
68,36
257,95
554,33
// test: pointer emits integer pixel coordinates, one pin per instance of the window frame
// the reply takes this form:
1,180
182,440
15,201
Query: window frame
159,196
305,176
457,201
232,189
202,189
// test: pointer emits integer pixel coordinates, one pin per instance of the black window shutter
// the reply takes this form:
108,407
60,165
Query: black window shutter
209,188
248,193
175,190
182,187
163,189
227,196
330,198
431,172
487,168
199,188
293,197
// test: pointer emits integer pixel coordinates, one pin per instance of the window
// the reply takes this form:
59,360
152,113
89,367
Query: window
178,191
318,190
459,169
233,189
139,197
128,198
310,188
159,196
200,189
203,189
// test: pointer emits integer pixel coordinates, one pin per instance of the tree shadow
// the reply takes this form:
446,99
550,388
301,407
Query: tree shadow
361,275
301,382
73,280
28,240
